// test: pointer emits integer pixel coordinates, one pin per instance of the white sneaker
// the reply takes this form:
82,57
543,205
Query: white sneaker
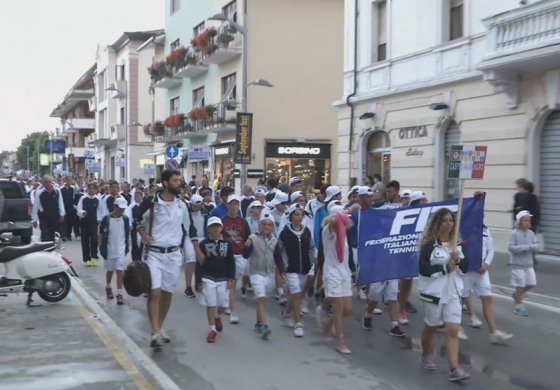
362,295
377,311
289,322
227,311
499,337
462,335
164,336
298,330
282,300
304,308
155,341
475,322
233,318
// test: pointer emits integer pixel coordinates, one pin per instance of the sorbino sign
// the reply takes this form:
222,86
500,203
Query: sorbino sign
293,150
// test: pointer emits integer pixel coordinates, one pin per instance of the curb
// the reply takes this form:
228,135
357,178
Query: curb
531,297
140,357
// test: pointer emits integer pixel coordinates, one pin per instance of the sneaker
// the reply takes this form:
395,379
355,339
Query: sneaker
367,322
403,318
362,295
298,329
521,311
219,324
156,341
164,336
277,296
343,349
211,338
465,309
282,300
499,337
318,298
396,331
233,318
265,334
258,327
428,362
95,261
377,311
120,300
304,308
189,292
89,263
250,288
410,308
458,375
227,312
475,322
109,293
243,292
462,335
289,322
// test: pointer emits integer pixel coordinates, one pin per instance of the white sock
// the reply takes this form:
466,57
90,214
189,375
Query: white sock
108,285
394,323
280,290
213,327
518,306
119,291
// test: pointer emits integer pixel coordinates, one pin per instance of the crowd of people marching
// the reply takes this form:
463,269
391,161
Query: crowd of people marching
278,243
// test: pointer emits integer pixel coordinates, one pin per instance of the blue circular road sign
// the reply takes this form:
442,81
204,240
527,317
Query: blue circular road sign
171,164
172,151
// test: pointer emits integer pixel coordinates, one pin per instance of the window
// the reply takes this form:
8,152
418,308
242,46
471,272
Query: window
121,116
198,97
101,85
198,29
381,31
175,6
456,20
174,106
175,44
230,10
101,124
229,88
120,72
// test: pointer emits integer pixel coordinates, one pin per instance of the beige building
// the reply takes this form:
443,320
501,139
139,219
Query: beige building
493,79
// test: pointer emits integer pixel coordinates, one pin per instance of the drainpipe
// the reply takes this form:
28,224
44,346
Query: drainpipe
352,180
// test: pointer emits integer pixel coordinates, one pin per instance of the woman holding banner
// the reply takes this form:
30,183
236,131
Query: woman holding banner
441,265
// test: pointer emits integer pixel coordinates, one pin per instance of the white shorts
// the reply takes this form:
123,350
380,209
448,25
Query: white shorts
523,277
214,294
241,266
437,315
295,282
388,290
263,285
337,288
189,256
480,284
114,264
165,269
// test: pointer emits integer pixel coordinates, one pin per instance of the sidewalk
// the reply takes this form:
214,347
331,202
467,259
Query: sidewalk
61,346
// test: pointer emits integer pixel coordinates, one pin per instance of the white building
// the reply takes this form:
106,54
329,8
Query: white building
431,73
119,140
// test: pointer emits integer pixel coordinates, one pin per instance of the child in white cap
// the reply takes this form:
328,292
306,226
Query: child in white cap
259,250
253,215
522,246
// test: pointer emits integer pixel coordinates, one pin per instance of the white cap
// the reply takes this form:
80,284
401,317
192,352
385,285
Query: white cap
281,197
294,207
196,199
233,197
336,203
365,190
295,180
416,195
406,193
295,196
354,189
336,209
121,203
214,221
523,213
260,191
331,191
255,203
266,216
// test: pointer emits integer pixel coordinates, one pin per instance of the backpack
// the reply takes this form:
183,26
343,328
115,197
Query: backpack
137,279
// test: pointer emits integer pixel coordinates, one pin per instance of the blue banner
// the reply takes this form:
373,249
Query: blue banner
388,239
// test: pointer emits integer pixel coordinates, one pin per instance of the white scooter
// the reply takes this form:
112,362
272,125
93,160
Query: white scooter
36,268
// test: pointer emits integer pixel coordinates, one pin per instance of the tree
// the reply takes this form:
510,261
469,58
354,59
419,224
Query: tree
4,155
35,142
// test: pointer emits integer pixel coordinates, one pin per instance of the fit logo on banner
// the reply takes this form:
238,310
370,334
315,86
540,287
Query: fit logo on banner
418,217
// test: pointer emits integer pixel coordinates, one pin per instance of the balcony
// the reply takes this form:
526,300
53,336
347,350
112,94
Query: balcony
525,39
82,123
120,86
188,64
218,118
117,131
219,46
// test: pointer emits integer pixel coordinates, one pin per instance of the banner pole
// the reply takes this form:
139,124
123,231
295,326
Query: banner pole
459,213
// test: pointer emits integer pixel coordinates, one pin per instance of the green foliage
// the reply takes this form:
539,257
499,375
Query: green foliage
36,143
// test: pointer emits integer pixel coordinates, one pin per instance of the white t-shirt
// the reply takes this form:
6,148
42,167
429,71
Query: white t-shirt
334,269
116,244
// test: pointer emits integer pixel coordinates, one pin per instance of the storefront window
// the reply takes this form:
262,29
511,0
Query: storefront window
223,166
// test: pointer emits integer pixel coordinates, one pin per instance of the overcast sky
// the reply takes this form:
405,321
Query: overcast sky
47,45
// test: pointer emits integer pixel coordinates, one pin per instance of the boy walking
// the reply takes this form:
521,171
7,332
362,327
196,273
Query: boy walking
114,232
87,210
214,275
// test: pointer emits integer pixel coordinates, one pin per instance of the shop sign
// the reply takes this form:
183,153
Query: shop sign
236,173
414,152
298,150
149,169
255,173
198,153
413,132
243,138
95,168
467,162
120,162
222,151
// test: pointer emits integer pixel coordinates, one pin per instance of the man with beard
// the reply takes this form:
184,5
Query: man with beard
161,222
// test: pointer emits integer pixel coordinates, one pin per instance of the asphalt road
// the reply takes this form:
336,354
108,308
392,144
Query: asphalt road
241,360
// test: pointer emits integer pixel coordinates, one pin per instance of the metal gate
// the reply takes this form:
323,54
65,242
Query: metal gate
550,184
452,137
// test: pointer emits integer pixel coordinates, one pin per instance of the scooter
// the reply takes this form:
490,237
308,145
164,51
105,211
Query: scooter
36,268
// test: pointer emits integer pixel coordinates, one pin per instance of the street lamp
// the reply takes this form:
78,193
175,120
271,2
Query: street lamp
260,82
27,163
126,131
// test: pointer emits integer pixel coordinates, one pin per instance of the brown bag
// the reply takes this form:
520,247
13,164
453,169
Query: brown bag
136,278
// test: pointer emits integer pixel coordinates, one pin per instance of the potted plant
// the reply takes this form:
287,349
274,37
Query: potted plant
148,129
231,104
158,70
224,39
158,129
220,120
176,59
198,113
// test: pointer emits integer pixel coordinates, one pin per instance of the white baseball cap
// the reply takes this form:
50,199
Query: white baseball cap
196,199
523,213
266,216
255,203
336,209
233,197
295,196
331,191
416,195
294,207
406,193
336,203
260,191
365,190
295,180
121,203
280,197
214,221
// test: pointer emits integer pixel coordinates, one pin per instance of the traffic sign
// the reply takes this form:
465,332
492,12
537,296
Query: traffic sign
171,164
172,151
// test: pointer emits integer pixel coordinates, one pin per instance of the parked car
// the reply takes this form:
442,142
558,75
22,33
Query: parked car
15,210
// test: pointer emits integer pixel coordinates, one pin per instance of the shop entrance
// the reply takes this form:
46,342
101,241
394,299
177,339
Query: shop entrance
379,155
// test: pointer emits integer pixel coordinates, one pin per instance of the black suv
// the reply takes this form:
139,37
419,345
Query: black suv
15,210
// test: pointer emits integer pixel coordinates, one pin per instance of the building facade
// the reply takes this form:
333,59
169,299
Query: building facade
218,67
119,140
419,78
